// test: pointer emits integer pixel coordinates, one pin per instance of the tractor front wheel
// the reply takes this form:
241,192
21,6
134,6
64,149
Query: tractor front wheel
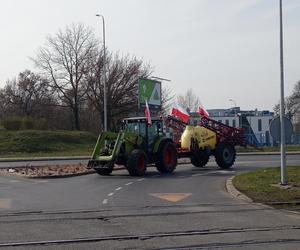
225,155
105,170
166,157
137,163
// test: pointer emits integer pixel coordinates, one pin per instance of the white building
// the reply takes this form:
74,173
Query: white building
256,123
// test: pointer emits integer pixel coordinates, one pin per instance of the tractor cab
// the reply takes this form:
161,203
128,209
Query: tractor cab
135,146
139,125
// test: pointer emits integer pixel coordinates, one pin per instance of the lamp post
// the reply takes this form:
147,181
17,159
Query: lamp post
104,69
282,125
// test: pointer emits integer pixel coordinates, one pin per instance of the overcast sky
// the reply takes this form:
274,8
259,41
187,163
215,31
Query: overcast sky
221,49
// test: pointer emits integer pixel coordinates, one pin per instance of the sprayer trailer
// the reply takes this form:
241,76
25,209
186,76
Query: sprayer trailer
209,138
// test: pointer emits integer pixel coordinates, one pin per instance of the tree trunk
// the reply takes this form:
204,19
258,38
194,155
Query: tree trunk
76,117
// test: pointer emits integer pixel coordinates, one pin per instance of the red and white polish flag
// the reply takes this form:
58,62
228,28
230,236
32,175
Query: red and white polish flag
180,113
147,114
203,112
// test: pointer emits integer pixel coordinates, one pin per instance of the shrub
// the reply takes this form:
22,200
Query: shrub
24,123
27,123
41,124
12,123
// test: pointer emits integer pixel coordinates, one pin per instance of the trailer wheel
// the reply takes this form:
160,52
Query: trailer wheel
105,171
166,157
137,163
225,155
199,159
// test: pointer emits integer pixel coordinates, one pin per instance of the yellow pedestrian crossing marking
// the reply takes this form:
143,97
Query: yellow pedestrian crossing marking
5,203
172,197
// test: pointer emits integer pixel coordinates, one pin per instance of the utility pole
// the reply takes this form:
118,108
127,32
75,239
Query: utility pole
284,178
104,69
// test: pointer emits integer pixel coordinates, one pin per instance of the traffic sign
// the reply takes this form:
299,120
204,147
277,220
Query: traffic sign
150,90
275,129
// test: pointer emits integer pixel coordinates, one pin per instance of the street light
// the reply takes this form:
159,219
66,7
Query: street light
104,69
282,127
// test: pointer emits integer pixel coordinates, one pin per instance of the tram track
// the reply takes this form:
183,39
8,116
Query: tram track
149,236
127,212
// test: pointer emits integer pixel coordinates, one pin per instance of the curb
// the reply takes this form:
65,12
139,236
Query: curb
88,157
238,195
45,158
59,176
234,192
268,153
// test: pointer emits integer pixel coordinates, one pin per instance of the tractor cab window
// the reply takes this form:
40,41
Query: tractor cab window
135,127
154,131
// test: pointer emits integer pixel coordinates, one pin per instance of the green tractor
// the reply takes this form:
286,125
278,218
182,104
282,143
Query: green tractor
136,146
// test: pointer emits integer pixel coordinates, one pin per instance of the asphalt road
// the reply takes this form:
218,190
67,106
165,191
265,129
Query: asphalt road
189,209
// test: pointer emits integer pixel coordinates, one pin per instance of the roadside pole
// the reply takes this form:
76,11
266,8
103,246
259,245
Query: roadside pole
284,179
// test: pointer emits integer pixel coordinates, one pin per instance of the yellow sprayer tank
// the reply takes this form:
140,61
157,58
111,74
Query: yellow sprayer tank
204,137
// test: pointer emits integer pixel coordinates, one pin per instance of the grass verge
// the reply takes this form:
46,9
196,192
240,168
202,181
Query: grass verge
35,143
262,186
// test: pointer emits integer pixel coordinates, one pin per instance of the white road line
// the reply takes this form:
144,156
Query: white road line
104,201
42,181
141,179
194,175
119,188
129,183
13,181
110,194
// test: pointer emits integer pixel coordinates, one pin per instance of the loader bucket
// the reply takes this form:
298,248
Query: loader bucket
107,148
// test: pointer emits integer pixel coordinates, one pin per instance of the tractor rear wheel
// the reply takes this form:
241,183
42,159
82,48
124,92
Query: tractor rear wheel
225,155
137,163
199,159
107,170
166,157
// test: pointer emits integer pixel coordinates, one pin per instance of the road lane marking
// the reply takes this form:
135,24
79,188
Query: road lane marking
104,201
14,181
42,181
119,188
172,197
110,194
199,174
129,183
5,203
141,179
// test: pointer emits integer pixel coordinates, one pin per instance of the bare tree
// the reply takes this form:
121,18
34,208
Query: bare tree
166,100
122,78
65,60
292,104
189,101
25,95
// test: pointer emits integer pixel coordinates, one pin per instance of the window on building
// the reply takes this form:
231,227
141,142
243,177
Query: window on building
259,125
227,122
220,121
233,123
